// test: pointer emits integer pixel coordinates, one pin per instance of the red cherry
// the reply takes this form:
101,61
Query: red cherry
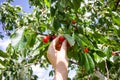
61,38
53,37
73,22
48,36
113,53
85,50
45,39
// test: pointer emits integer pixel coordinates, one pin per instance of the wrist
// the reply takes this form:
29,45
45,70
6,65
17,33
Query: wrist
61,73
60,76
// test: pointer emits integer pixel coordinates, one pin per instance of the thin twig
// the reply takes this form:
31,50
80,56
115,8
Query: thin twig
73,62
106,67
100,75
117,52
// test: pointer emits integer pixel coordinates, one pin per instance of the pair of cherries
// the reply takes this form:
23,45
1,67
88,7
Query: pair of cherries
50,38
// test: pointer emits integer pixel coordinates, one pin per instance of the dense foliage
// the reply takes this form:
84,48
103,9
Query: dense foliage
92,29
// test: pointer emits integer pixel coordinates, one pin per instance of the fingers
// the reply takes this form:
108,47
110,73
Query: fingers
64,46
53,44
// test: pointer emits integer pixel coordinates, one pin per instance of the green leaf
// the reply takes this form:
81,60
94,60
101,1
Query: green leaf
52,1
31,39
97,35
79,41
76,4
85,41
103,39
112,5
22,43
116,20
101,65
100,53
32,60
43,46
108,52
14,35
63,3
53,8
97,58
47,2
91,62
81,58
69,39
52,11
2,54
18,39
18,8
68,78
102,1
56,24
51,73
87,66
114,59
2,64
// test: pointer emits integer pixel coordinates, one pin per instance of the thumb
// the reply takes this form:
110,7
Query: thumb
64,46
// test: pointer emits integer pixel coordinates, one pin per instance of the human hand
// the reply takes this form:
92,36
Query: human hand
57,56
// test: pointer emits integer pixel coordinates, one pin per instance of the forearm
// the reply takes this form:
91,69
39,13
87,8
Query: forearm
61,72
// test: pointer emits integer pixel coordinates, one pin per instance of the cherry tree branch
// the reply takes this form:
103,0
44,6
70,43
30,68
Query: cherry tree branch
100,75
73,62
106,67
118,52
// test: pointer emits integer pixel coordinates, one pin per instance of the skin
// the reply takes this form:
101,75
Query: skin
58,58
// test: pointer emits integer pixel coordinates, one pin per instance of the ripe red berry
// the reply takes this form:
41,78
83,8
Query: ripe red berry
45,39
113,53
61,38
85,50
73,22
53,37
48,36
